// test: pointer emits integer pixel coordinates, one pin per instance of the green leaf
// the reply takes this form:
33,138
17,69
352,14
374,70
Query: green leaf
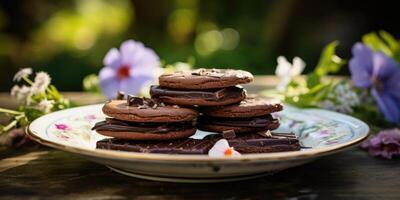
377,44
329,62
390,40
91,83
312,80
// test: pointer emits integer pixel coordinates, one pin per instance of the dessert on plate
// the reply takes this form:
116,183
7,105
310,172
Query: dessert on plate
204,99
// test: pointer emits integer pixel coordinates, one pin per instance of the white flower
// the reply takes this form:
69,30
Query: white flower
22,94
24,72
221,148
45,105
286,71
341,99
42,81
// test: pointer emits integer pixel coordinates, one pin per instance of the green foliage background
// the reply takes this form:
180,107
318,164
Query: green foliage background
69,38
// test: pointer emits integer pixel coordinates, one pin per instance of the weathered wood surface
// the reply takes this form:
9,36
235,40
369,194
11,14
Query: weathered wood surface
44,173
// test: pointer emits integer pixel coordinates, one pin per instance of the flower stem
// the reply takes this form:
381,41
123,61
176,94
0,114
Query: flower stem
8,111
9,126
26,79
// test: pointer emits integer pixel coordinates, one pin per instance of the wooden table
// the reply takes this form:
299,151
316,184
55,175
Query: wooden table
40,172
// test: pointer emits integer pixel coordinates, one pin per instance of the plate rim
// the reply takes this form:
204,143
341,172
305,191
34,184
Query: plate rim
120,155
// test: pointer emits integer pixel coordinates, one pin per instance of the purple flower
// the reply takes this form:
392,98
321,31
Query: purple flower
385,144
129,69
381,74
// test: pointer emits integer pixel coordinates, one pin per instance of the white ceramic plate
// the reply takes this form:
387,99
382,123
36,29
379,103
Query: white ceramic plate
323,132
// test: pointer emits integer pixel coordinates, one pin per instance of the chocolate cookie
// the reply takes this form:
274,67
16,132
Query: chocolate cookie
144,131
252,106
146,119
238,125
147,112
201,79
250,143
210,97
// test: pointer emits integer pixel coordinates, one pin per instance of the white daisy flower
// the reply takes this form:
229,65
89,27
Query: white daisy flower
42,81
222,149
45,105
22,94
286,71
24,72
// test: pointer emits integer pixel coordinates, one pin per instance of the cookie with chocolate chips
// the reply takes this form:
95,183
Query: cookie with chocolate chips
140,118
147,111
202,79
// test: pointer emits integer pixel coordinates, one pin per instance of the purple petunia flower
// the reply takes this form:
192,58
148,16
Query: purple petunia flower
129,69
385,144
381,74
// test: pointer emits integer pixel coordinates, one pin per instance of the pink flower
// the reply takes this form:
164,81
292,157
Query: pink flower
222,149
90,117
62,127
385,144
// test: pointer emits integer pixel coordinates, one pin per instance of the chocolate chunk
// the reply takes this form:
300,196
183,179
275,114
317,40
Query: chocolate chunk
120,95
135,101
228,134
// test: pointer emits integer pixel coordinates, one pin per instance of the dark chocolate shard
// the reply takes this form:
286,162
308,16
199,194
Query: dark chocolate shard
228,134
135,101
120,95
158,92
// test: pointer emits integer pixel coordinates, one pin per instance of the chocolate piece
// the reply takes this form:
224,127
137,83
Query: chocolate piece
211,97
249,143
135,101
228,134
115,125
120,95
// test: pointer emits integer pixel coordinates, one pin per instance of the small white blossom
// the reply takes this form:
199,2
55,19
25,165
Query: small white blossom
42,81
45,105
286,71
341,99
24,72
22,94
222,149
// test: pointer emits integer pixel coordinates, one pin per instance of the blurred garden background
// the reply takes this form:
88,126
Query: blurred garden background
68,39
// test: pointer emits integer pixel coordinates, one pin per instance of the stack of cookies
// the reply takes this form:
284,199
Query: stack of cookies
224,104
205,99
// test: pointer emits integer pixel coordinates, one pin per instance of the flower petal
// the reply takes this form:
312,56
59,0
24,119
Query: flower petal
360,65
383,66
133,85
109,82
219,148
112,59
297,67
392,85
387,105
130,51
283,68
